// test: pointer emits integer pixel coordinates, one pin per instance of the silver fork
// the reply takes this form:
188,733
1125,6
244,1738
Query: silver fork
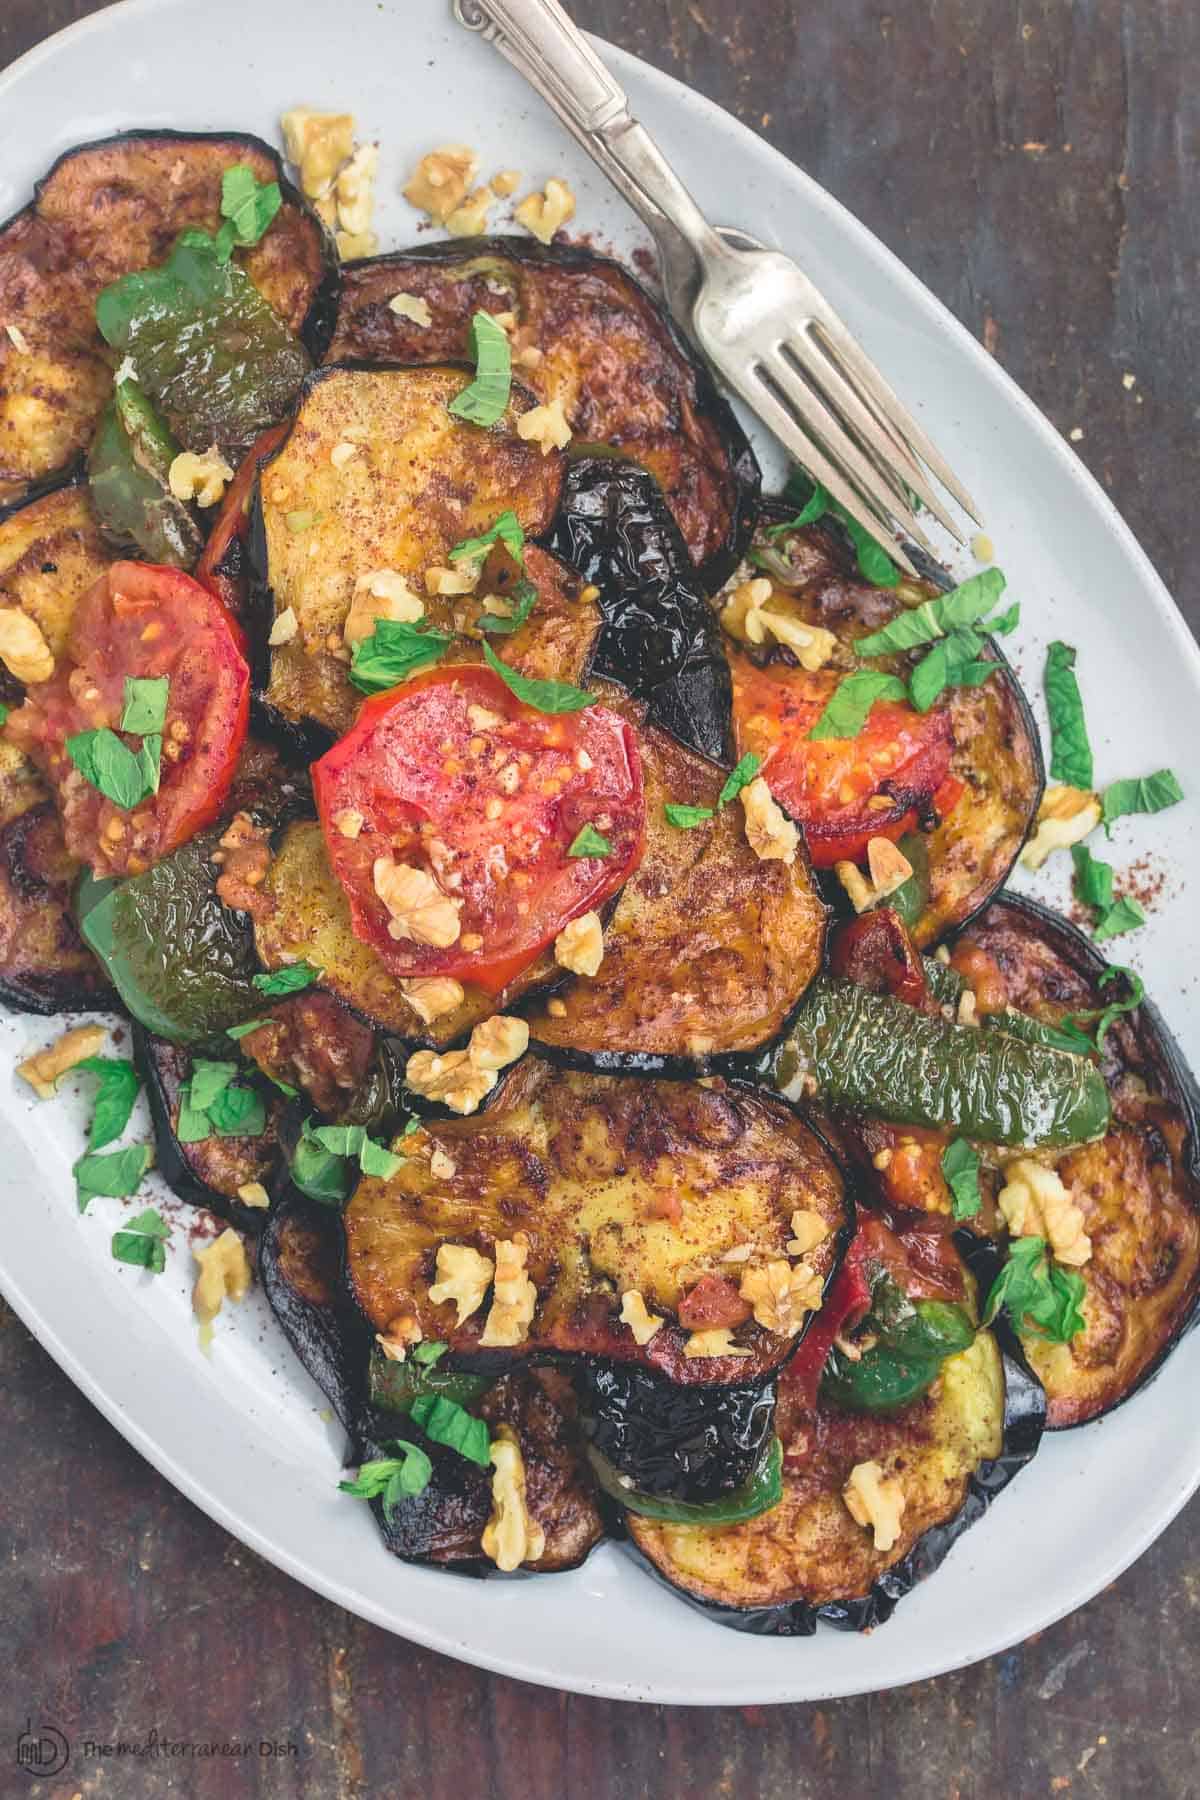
756,316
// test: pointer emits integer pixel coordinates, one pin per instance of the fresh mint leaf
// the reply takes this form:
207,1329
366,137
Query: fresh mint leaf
376,1159
485,400
429,1353
119,1084
1043,1300
544,696
524,600
814,508
114,1173
1070,748
1142,794
340,1140
142,1241
505,530
238,1111
741,776
1094,887
394,651
874,564
288,980
392,1478
248,207
960,1166
589,842
963,606
4,712
208,1079
1114,1010
117,772
1125,914
686,818
145,708
245,1028
446,1422
849,706
317,1172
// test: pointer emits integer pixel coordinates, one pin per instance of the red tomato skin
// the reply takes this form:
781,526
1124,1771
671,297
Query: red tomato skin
376,770
216,569
203,651
712,1303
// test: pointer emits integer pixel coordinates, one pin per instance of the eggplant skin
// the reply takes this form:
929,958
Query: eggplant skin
659,639
51,553
1138,1187
709,951
207,1173
625,374
299,1265
45,967
619,1184
806,1562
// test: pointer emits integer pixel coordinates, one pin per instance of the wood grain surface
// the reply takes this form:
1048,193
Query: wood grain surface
1034,161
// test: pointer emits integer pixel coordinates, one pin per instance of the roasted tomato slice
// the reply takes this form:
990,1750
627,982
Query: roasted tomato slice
844,791
142,621
451,775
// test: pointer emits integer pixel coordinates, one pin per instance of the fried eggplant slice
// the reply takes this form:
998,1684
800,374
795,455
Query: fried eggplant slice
588,334
619,1187
51,552
106,210
709,950
299,1265
312,1041
377,475
807,1560
45,967
1138,1187
958,786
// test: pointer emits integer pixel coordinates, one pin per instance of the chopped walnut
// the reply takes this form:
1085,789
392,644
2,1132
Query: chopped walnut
546,426
514,1296
808,1230
224,1273
355,189
889,869
317,144
716,1341
545,213
1065,817
511,1536
464,1277
284,628
875,1503
254,1194
461,580
23,650
640,1321
416,905
769,832
1036,1204
498,1041
199,478
579,946
452,1078
43,1068
440,180
441,1166
383,594
505,183
782,1295
432,996
744,616
412,308
398,1336
470,219
354,244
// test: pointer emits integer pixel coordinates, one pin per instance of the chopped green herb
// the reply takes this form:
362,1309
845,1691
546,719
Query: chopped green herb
288,980
590,842
348,1141
429,1353
524,598
1093,879
506,530
485,400
393,1478
192,1126
814,508
1070,748
1125,914
116,1173
874,564
1042,1299
1115,1008
956,662
119,1084
376,1159
740,778
317,1172
122,775
248,207
145,704
238,1111
245,1028
208,1079
686,818
960,1166
1144,794
394,651
141,1241
446,1422
849,706
963,606
544,696
4,712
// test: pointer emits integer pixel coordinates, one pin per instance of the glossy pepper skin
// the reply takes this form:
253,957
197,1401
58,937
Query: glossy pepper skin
758,1493
128,473
912,1339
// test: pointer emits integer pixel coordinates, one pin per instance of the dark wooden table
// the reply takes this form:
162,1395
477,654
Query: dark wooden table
1034,162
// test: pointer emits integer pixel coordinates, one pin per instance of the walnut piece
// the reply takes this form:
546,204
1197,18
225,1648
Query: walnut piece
354,189
416,905
317,144
1036,1204
514,1296
498,1041
463,1276
545,213
440,180
383,594
284,628
511,1536
640,1321
769,832
398,1335
716,1341
875,1503
23,650
808,1230
744,616
463,579
579,946
889,870
442,1166
1065,817
470,218
782,1295
412,308
43,1068
224,1273
254,1194
432,996
451,1078
199,478
546,426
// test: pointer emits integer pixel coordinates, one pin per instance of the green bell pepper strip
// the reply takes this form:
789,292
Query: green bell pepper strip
872,1054
393,1386
757,1494
209,351
912,898
129,468
912,1341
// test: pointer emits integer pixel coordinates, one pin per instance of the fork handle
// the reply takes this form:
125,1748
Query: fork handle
540,40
